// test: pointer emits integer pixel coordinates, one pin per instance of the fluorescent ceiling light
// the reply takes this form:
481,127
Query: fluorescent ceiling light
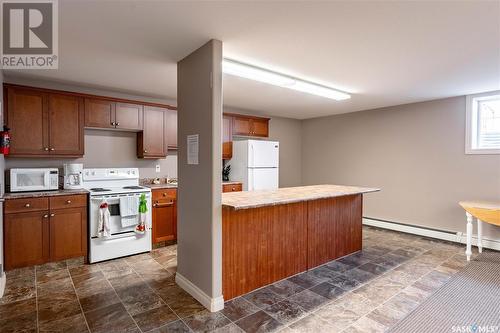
236,68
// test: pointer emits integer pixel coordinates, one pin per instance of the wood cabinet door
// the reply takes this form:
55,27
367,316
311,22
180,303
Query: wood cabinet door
232,188
151,142
26,239
227,137
99,113
128,116
241,125
66,115
260,127
164,220
27,118
68,233
172,129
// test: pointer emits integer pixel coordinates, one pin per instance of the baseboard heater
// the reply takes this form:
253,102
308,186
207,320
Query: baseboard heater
456,237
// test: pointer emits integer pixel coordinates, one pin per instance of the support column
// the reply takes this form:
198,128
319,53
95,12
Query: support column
199,239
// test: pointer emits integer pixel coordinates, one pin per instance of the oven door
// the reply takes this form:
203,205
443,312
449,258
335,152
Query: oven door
115,223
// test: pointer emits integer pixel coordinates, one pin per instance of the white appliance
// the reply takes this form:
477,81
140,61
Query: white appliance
109,185
36,179
256,164
73,176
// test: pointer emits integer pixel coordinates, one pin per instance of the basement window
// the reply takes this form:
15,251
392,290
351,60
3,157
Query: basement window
483,124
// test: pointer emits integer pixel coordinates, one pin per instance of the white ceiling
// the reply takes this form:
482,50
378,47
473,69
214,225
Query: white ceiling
385,53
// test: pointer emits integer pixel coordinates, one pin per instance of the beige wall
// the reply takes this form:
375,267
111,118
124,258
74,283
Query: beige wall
414,153
199,238
103,148
289,133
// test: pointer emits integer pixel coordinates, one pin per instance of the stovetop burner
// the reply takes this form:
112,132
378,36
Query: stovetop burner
99,189
133,187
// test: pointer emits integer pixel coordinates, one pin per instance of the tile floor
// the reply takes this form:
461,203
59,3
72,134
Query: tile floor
365,292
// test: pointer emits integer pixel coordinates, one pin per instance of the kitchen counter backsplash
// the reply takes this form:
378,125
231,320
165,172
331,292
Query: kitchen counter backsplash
148,182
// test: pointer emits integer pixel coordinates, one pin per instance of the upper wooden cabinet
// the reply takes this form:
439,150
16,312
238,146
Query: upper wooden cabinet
250,126
66,118
50,123
227,137
27,118
172,129
128,116
44,124
99,113
152,141
102,113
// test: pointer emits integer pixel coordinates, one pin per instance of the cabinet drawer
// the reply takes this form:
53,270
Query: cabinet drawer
68,201
232,188
26,205
168,193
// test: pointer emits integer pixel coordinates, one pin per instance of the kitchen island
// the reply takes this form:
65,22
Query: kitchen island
271,235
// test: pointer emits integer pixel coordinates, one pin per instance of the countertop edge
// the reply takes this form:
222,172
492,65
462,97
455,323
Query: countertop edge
42,194
290,201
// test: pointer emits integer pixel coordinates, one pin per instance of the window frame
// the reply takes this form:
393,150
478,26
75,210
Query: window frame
469,148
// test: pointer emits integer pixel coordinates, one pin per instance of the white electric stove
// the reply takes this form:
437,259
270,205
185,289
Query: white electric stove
109,185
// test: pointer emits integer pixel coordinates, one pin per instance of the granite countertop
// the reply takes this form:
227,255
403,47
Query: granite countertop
160,186
38,194
231,182
254,199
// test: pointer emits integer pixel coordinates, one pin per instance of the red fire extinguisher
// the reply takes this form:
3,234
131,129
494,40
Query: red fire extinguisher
5,141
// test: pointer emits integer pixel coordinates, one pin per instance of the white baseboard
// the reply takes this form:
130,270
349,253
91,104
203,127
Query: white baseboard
212,304
433,233
2,284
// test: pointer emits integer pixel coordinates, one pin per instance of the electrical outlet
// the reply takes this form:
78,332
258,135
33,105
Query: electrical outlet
158,168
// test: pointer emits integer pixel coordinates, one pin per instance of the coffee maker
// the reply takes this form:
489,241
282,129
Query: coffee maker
73,176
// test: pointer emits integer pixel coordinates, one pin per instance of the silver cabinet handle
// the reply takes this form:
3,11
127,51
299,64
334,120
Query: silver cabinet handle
46,148
52,149
27,205
68,202
45,216
52,215
117,124
145,151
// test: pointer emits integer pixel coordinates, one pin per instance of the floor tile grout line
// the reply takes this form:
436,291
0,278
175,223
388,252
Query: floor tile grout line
154,291
181,319
118,297
78,299
387,300
452,253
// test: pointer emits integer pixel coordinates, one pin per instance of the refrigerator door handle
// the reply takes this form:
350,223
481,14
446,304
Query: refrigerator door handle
251,158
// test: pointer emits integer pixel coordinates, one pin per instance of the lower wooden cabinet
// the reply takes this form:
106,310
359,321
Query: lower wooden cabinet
26,239
34,233
68,233
234,187
164,215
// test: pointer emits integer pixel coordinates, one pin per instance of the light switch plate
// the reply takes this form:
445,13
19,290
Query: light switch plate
157,168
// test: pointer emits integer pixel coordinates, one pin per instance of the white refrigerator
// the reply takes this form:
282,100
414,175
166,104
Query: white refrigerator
256,164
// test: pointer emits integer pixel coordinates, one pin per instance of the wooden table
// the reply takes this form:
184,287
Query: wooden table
483,211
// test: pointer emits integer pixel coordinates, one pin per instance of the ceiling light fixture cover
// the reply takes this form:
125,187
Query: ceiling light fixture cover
236,68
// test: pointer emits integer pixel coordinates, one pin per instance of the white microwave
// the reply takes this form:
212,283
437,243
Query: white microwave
36,179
